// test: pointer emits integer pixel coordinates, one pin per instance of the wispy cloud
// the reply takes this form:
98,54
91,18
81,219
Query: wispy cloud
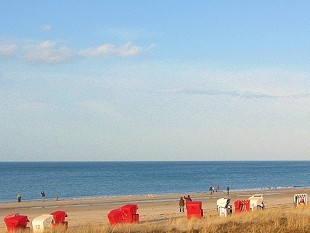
236,94
48,52
126,50
7,49
46,28
54,52
100,107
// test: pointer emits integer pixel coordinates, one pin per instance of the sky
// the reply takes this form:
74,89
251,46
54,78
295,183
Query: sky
154,80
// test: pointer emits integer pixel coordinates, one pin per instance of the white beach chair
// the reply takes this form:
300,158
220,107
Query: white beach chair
223,207
300,199
257,202
42,222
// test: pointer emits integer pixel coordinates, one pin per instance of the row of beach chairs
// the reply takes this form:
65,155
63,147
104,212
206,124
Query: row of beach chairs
17,222
128,213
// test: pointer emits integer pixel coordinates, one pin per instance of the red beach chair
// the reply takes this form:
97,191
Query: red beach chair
115,216
59,218
125,214
194,209
130,213
16,222
242,206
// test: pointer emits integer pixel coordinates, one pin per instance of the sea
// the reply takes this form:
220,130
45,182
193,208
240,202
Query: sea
72,180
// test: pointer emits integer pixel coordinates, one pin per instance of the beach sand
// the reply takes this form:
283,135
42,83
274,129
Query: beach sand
154,208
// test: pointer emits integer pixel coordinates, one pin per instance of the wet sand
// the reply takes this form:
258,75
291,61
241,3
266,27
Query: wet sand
151,208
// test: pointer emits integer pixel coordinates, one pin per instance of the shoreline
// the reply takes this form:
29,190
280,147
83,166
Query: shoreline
280,188
155,208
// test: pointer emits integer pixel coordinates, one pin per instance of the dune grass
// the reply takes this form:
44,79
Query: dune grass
275,220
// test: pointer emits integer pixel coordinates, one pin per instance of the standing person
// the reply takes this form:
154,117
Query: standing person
187,199
181,204
43,195
227,190
210,189
19,197
218,187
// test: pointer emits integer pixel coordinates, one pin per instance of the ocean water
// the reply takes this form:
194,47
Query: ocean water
69,180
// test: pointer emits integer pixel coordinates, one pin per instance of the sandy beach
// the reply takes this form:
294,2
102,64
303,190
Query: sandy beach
152,208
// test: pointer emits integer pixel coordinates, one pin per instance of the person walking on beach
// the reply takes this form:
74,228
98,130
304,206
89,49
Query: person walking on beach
211,189
19,197
43,195
181,204
227,190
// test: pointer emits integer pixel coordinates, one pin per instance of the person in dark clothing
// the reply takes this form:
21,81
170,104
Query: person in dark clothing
187,199
19,197
181,204
43,195
227,190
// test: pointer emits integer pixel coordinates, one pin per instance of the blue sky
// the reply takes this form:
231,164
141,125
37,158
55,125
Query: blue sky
161,80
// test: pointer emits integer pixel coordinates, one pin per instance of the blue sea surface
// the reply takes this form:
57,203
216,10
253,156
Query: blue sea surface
69,180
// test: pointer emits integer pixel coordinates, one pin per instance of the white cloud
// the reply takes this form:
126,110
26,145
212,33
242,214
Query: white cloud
7,49
53,52
126,50
49,53
46,28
